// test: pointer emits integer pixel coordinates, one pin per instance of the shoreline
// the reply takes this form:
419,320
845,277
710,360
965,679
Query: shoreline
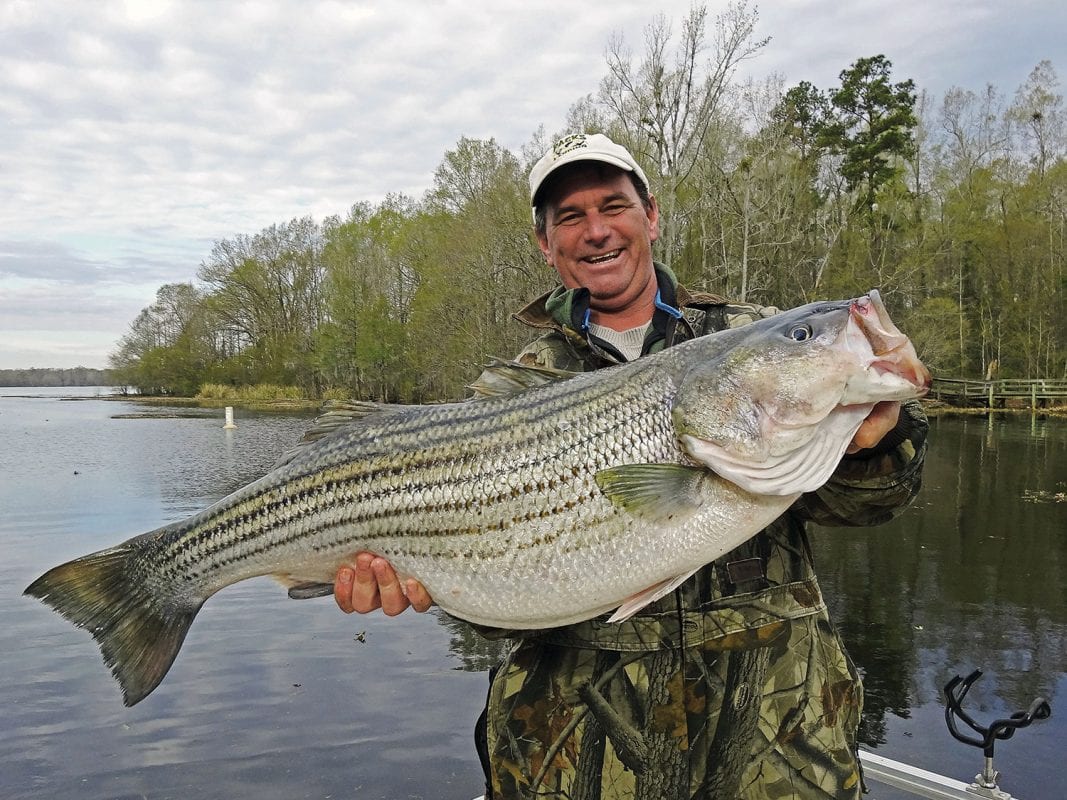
933,408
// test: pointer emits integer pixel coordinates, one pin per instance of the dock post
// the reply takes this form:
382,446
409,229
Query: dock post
229,419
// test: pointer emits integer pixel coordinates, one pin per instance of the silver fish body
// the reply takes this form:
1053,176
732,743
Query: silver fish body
528,510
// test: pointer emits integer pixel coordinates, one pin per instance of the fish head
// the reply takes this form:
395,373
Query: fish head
775,411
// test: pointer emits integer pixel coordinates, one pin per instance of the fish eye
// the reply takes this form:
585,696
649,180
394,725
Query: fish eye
800,333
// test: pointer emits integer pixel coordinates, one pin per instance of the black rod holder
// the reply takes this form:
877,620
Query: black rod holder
955,692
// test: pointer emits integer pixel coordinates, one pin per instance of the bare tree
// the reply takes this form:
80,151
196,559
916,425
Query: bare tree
665,105
1038,111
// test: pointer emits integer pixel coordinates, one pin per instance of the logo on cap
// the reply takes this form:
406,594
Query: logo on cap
568,144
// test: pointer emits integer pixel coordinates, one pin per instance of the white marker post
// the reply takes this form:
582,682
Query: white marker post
229,419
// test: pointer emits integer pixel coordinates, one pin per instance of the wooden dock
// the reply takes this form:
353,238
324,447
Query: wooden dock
1017,392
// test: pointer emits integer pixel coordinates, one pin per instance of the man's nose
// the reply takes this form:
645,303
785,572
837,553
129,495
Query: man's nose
596,227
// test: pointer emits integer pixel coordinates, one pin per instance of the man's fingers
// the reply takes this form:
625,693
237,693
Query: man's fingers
371,582
418,596
364,594
342,589
882,419
390,592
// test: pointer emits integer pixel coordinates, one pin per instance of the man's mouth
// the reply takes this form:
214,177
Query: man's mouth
601,259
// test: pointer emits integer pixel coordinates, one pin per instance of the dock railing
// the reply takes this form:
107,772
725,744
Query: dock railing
1036,393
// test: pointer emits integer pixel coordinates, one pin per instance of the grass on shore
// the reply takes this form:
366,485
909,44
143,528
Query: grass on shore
264,395
258,393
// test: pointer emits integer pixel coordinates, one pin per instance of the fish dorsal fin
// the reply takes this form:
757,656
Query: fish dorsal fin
655,492
339,414
336,415
501,378
650,595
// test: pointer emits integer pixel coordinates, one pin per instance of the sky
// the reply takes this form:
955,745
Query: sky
134,135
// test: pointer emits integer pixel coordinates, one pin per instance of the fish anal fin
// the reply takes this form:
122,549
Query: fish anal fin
648,596
308,590
654,492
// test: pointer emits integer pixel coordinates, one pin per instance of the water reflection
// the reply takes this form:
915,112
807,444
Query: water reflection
972,577
474,652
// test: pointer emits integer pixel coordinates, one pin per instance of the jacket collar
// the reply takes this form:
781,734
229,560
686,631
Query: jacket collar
563,308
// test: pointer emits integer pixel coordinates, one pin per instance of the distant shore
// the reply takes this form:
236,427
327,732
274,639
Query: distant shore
932,407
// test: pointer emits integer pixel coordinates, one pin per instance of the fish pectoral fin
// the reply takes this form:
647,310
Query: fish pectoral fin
654,492
650,595
308,590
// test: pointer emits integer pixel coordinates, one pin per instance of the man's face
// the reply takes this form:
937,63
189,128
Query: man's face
599,235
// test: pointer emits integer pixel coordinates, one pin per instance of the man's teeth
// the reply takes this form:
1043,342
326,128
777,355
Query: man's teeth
603,258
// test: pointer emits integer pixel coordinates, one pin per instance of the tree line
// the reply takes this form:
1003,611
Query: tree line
40,377
954,207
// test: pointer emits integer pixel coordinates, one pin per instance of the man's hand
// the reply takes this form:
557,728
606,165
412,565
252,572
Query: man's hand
882,419
372,583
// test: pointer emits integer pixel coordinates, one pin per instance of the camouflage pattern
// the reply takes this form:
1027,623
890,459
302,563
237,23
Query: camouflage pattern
737,684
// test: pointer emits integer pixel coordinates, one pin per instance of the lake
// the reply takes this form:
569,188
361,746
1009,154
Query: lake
272,698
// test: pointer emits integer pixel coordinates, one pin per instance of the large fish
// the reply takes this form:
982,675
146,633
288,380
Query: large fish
529,510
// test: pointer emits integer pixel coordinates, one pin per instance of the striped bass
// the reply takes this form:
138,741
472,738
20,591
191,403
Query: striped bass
533,509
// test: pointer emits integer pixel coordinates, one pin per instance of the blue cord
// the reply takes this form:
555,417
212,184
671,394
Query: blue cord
674,312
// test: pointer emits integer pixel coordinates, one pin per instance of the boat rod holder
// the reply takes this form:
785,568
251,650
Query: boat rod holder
955,691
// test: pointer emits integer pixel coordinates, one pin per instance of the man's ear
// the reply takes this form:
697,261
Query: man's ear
542,242
652,212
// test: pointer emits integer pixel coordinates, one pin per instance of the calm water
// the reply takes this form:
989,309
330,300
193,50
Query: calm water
272,698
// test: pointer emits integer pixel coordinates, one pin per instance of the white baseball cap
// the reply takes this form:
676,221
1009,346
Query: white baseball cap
582,147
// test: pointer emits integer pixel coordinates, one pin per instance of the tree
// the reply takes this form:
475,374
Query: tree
803,114
756,204
664,108
370,281
778,197
859,137
1038,111
872,125
477,263
266,292
168,346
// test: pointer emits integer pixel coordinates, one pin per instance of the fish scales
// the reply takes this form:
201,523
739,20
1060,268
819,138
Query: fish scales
532,510
405,491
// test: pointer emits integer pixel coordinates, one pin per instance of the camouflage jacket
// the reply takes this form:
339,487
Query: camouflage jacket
735,686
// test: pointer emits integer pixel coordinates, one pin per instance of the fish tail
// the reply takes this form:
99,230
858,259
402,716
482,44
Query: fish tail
139,633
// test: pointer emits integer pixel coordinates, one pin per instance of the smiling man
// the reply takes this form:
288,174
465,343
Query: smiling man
599,236
734,686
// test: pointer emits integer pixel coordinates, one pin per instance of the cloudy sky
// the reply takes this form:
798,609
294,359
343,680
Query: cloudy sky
135,134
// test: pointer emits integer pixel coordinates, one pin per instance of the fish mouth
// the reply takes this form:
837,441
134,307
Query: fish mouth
888,351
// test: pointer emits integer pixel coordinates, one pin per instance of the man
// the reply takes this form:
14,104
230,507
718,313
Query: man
734,686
